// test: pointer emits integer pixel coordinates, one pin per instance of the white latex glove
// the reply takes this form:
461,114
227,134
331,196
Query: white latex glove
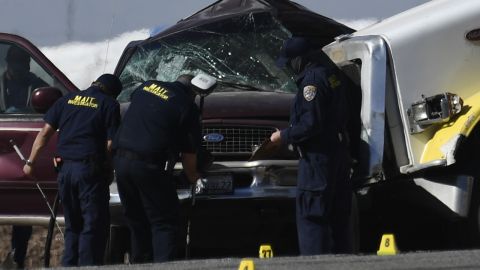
200,185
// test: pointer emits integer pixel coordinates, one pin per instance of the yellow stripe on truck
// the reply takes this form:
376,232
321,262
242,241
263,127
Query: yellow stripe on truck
463,125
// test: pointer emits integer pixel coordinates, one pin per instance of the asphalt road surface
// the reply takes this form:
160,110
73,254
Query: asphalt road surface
465,259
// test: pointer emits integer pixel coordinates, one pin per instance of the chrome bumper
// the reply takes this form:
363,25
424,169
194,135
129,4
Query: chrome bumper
270,179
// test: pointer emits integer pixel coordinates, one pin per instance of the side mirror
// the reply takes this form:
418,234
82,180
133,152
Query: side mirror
203,84
44,97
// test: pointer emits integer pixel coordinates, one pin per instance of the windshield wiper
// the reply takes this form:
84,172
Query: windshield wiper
241,86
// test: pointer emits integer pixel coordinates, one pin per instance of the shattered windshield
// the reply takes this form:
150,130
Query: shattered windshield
239,52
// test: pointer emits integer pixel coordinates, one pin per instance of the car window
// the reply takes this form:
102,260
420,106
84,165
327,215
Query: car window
240,52
20,75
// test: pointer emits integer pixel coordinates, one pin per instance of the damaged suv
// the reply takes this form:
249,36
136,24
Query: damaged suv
247,202
237,42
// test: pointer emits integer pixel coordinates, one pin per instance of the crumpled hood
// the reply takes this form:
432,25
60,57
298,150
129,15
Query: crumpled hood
296,18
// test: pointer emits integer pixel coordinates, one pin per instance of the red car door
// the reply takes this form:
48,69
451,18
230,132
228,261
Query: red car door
23,68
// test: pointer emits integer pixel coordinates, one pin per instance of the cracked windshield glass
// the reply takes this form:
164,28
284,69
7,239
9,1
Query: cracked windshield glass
239,52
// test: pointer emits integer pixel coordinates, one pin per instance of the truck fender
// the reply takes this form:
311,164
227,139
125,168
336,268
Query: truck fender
448,138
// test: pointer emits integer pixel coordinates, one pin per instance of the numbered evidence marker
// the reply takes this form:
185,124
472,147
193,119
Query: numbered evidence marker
246,264
387,245
265,251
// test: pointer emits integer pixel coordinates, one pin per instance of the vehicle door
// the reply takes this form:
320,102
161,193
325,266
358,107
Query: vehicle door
19,125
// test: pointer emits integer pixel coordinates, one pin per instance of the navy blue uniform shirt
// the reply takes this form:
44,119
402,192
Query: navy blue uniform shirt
161,117
86,120
317,114
317,117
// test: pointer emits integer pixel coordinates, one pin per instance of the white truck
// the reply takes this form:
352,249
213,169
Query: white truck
419,77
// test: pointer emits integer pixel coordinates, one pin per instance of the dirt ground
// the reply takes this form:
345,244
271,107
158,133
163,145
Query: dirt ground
36,247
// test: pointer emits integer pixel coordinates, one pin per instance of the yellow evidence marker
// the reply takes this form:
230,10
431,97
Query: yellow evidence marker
265,251
387,245
246,264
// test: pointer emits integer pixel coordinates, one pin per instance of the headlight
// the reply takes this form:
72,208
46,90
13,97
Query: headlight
432,110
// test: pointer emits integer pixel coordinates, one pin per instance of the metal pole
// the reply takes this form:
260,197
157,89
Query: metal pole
192,191
22,157
189,222
53,211
51,225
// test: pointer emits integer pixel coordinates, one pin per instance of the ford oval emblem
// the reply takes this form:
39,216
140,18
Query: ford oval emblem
213,137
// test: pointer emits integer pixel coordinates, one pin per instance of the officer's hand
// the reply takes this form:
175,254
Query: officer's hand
201,185
276,137
28,170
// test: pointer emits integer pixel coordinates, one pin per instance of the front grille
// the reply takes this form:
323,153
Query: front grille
237,139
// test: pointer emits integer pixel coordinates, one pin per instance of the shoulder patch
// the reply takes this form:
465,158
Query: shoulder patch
334,82
309,92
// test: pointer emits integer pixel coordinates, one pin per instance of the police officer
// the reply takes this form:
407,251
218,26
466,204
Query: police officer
162,118
317,124
87,121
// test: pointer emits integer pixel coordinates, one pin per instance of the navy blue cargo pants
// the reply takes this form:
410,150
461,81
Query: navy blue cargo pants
84,194
20,237
151,208
323,213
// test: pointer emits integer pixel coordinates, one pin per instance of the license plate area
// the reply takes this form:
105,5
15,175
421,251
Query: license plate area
218,184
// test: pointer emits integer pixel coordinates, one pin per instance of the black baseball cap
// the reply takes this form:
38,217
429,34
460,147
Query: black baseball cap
110,82
291,48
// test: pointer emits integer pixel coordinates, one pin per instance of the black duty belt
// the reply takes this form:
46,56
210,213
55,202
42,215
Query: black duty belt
90,159
153,159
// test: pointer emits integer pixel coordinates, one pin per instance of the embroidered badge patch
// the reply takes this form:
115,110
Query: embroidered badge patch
334,82
309,92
